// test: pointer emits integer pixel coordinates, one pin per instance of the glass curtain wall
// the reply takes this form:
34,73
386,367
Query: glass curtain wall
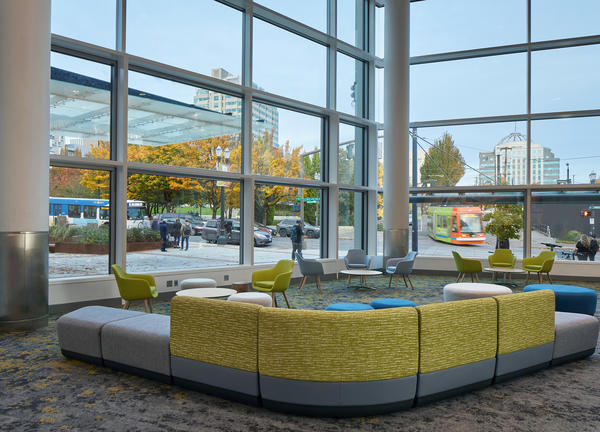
164,114
500,109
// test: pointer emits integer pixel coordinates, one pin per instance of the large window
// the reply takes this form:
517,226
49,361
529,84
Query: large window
80,107
289,65
79,219
200,35
277,209
193,105
90,21
285,143
202,219
175,124
478,87
350,221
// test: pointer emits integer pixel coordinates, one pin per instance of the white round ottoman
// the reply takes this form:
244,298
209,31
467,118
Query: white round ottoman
465,291
197,283
252,297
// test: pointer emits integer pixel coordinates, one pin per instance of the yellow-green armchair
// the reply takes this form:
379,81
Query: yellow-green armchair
273,280
540,264
466,266
502,258
135,287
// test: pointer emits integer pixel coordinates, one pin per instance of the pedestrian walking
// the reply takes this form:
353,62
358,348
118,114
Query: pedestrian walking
177,232
186,232
297,235
164,234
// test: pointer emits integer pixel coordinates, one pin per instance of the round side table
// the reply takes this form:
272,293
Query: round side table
243,286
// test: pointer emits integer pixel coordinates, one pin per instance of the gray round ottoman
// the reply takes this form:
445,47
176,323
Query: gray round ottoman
465,291
252,297
197,283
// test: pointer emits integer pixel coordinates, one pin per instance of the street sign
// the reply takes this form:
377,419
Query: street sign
591,221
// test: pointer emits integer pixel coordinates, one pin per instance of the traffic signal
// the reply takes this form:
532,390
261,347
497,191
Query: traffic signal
586,213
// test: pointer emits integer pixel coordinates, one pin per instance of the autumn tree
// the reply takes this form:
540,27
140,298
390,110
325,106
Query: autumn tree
444,165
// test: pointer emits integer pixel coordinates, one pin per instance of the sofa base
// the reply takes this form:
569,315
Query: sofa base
138,371
82,357
423,400
571,357
336,411
218,391
520,372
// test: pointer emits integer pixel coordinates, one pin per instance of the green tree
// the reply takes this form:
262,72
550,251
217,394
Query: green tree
444,165
506,222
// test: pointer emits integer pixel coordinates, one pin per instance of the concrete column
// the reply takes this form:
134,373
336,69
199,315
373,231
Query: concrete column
396,154
24,160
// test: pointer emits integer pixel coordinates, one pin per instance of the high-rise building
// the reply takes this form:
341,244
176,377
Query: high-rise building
507,164
265,118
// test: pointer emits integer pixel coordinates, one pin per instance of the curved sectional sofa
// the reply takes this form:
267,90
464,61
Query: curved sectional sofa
333,363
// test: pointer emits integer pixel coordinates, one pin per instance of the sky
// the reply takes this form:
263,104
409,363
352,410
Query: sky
203,34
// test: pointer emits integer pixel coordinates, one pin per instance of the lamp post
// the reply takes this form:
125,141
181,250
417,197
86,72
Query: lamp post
221,237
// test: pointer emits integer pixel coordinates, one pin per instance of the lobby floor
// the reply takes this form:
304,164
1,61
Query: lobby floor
41,390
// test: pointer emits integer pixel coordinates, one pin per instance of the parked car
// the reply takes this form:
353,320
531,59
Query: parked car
232,231
266,228
284,229
198,225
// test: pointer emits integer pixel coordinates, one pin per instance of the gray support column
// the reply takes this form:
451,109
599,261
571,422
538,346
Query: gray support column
24,161
396,161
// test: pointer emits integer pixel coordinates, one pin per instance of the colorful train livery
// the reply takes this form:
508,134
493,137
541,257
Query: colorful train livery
456,225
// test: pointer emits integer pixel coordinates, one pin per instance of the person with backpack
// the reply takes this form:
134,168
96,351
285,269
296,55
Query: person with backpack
583,249
177,232
296,237
186,232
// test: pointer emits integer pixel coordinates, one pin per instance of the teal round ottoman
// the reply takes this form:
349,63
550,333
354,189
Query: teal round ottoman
385,303
348,307
569,298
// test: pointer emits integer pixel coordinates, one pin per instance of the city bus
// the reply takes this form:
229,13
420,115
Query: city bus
456,225
84,211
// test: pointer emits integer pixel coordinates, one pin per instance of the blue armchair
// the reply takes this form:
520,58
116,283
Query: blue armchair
401,267
310,267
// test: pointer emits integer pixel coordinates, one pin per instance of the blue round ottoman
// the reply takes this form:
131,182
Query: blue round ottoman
348,307
570,298
385,303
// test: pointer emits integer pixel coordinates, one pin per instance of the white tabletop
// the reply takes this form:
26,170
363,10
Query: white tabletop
206,292
360,272
503,270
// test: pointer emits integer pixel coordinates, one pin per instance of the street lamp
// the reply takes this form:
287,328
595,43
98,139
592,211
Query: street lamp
221,237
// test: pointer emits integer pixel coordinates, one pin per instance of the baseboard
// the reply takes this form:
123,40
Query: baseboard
571,357
453,392
520,372
336,411
218,391
138,371
82,357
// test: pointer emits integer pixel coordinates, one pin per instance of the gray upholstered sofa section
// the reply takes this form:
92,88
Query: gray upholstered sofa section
215,379
79,331
338,393
576,336
445,382
139,345
523,361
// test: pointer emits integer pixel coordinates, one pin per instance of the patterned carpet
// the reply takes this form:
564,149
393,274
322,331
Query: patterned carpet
41,390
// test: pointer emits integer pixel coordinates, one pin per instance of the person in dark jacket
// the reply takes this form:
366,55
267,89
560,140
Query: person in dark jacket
164,234
177,232
296,237
583,249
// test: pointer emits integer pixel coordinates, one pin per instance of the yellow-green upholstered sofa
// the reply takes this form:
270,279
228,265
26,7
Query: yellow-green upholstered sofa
350,363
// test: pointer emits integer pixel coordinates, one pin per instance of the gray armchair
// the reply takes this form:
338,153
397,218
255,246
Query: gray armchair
356,259
310,267
401,267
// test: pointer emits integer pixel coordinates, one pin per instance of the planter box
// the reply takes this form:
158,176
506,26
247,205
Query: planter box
101,249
